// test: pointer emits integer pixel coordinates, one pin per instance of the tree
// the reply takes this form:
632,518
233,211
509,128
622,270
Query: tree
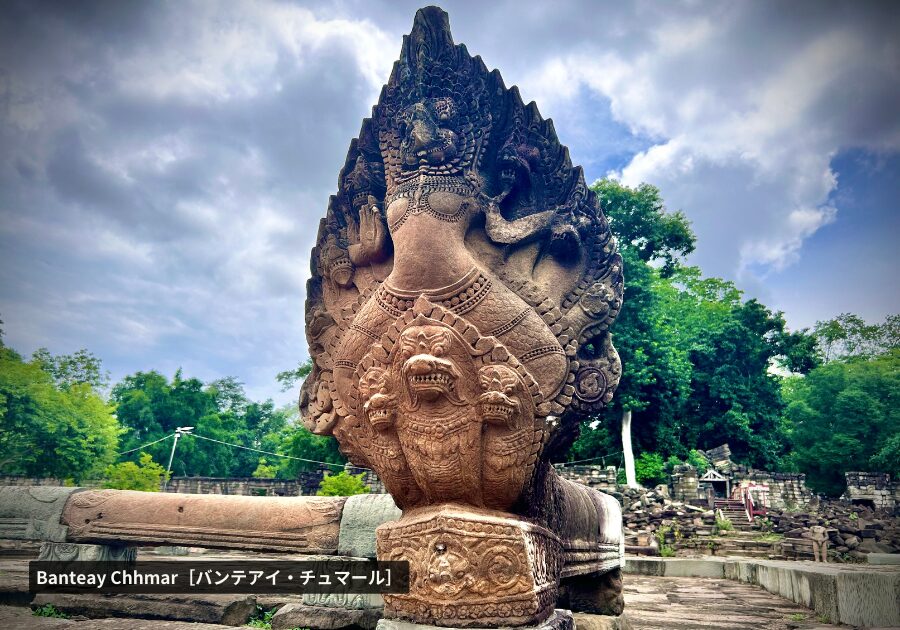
696,356
848,335
342,484
48,430
146,475
650,469
887,459
151,407
298,441
264,470
844,416
734,396
67,370
289,378
642,225
655,375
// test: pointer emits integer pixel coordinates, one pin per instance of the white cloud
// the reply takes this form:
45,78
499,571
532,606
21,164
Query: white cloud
729,123
165,166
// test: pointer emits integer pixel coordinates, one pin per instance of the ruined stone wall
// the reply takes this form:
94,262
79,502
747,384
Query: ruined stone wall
598,477
18,480
685,483
720,458
247,486
873,486
787,491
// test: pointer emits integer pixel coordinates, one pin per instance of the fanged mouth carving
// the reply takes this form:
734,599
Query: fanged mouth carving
497,410
432,379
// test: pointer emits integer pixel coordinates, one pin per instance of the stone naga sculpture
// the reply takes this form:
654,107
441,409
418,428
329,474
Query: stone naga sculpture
463,284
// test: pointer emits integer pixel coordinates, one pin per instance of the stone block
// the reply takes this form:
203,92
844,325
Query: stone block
344,600
558,620
584,621
645,566
228,610
683,567
884,558
292,524
362,514
33,512
869,599
324,617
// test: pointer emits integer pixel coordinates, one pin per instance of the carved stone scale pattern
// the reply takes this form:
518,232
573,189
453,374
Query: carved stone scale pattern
463,284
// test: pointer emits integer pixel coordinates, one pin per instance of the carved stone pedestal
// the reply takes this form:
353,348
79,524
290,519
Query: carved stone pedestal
471,567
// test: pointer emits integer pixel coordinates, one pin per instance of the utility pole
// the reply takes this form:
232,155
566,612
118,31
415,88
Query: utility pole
178,433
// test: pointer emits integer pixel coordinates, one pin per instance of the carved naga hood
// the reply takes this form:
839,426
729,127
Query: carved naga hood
463,271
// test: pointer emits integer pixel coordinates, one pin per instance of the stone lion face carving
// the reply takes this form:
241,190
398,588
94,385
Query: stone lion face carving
428,137
379,405
498,404
427,375
336,263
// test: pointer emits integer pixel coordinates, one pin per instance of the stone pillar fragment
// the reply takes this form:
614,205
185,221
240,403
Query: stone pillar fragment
297,524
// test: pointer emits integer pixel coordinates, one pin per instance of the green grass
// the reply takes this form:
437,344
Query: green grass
49,610
262,618
724,525
770,537
797,617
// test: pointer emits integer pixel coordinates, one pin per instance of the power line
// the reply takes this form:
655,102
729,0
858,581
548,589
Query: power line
589,459
145,445
249,448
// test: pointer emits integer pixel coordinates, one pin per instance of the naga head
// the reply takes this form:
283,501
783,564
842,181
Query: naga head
428,137
516,162
428,375
571,224
498,404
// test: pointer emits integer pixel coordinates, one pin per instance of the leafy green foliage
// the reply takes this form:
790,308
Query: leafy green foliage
844,416
848,335
289,378
697,358
724,524
694,458
887,459
649,469
48,429
298,441
265,470
149,406
146,475
644,228
72,369
49,610
342,484
262,618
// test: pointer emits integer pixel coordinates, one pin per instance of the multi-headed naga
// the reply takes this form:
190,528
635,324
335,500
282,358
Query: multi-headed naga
463,285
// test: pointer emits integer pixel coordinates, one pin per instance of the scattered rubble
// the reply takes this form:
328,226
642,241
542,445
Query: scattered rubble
657,525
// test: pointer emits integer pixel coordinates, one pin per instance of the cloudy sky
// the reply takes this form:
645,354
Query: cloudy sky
163,165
